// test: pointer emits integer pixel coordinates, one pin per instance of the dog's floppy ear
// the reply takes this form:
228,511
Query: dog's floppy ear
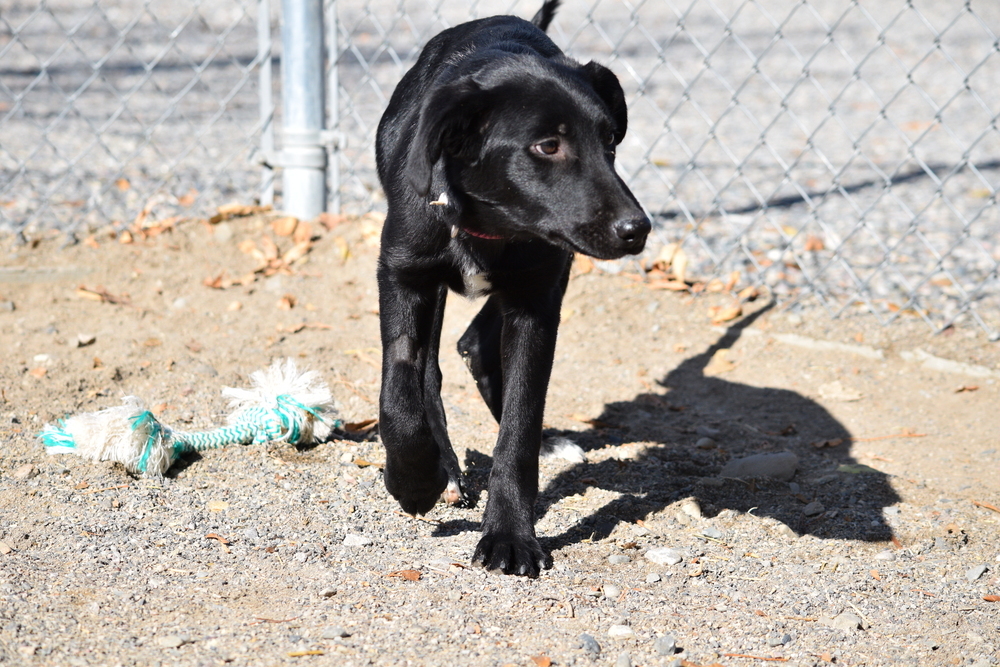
446,123
606,86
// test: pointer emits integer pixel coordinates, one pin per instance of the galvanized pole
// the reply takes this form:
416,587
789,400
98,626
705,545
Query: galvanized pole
303,158
266,101
333,106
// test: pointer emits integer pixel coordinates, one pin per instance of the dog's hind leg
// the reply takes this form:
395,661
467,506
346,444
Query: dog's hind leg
480,347
454,493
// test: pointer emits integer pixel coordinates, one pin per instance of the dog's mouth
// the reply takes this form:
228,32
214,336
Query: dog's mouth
591,251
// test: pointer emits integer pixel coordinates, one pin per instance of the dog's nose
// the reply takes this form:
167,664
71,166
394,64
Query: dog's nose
633,232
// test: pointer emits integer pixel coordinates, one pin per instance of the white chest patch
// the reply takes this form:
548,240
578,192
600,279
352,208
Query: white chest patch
476,285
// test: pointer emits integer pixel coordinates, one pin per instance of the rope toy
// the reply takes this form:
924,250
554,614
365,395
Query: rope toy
284,405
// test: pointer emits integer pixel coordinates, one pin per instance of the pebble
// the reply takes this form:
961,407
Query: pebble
652,578
171,641
620,631
26,471
588,644
691,507
774,639
612,591
794,487
845,621
328,592
665,645
779,465
83,340
814,508
334,632
624,660
7,306
619,559
705,443
975,572
712,532
664,556
354,540
885,555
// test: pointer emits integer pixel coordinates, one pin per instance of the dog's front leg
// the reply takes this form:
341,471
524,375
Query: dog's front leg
414,470
528,342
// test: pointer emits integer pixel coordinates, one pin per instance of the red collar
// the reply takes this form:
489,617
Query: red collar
480,235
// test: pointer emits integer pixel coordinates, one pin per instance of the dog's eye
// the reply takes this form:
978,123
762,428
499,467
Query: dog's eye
609,139
547,147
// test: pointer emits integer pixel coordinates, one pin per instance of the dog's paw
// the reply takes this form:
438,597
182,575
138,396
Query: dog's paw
512,555
416,494
454,494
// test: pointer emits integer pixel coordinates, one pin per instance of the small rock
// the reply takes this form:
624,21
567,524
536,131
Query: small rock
612,591
885,555
975,572
785,530
353,540
334,632
251,534
779,465
774,639
890,511
705,443
665,645
588,644
794,487
712,532
652,578
690,507
815,508
664,556
26,471
7,306
620,632
845,621
328,592
171,641
83,340
624,660
836,391
619,559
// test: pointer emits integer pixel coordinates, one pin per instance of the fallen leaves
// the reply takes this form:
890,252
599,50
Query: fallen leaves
988,506
719,363
967,388
541,660
102,295
720,314
409,575
235,210
992,598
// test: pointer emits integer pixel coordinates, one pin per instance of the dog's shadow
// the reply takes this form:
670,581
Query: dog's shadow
673,459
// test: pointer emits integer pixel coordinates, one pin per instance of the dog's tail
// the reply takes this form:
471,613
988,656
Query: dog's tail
544,16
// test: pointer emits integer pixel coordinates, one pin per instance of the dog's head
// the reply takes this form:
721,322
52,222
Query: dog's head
528,147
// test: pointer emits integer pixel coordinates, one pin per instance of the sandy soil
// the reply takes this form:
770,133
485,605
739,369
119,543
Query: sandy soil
98,567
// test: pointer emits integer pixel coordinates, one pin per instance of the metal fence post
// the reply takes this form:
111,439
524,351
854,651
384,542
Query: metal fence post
333,106
303,157
264,53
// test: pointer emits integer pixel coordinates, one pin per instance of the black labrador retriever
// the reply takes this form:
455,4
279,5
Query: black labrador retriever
496,154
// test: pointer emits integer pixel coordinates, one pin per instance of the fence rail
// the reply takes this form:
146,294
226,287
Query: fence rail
839,151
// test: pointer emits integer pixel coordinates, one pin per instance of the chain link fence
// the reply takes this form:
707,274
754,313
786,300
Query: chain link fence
838,151
835,150
109,109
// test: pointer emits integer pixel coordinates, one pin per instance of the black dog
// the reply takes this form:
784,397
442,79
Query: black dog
496,155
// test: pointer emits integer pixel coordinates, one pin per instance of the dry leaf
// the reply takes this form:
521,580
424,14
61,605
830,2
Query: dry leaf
967,387
542,660
125,236
38,372
748,293
216,536
123,184
992,598
875,575
329,220
152,342
286,302
583,264
409,575
733,281
297,252
303,233
720,315
217,505
814,244
358,427
718,363
194,346
715,285
363,463
672,285
188,199
284,226
91,242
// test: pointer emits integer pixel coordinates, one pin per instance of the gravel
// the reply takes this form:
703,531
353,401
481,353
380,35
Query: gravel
101,568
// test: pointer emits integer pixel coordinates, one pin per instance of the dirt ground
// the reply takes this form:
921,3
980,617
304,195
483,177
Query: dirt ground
98,567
